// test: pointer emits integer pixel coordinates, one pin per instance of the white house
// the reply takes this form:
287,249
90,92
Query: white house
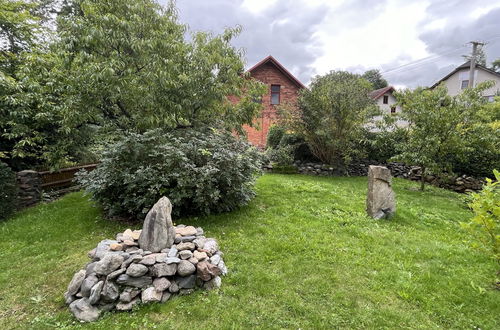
458,79
387,103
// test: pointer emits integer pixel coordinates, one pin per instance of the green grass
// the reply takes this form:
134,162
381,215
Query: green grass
301,255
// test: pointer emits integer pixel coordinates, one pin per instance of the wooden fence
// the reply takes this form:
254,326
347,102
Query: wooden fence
62,178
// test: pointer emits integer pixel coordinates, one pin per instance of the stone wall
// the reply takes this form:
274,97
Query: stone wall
462,183
30,188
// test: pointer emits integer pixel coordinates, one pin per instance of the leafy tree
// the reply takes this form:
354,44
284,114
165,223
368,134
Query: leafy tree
439,126
495,65
331,116
375,78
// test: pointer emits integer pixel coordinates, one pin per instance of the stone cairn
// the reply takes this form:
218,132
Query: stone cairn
381,199
144,266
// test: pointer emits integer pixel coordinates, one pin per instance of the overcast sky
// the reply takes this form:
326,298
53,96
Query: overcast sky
311,37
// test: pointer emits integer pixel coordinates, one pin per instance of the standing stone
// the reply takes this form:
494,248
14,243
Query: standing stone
158,232
381,199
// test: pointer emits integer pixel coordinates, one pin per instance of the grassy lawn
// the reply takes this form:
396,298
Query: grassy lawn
301,255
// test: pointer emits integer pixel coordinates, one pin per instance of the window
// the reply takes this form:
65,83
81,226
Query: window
465,84
275,94
386,99
393,109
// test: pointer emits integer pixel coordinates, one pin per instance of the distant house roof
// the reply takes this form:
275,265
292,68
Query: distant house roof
280,67
466,65
381,91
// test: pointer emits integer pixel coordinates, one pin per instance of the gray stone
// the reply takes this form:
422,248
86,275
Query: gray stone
68,299
381,199
110,292
199,231
200,255
132,259
161,257
127,306
87,285
128,294
166,296
193,260
138,282
161,283
174,287
187,282
149,260
76,282
177,239
115,274
222,267
84,311
165,250
186,231
103,248
108,264
185,268
95,293
211,246
158,232
160,270
214,283
89,269
188,238
172,260
185,246
106,307
151,295
172,252
136,270
186,254
215,259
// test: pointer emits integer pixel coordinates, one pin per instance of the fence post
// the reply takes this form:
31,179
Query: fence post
30,188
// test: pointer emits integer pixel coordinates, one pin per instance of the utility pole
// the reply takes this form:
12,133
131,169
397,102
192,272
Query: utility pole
473,62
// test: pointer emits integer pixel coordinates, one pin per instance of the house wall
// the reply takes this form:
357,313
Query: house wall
386,108
454,82
270,75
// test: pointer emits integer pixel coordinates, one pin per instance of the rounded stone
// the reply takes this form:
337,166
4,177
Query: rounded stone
185,268
136,270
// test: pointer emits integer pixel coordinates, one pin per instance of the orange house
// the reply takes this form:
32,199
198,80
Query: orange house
283,87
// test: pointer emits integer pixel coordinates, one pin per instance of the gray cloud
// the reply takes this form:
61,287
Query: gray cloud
282,30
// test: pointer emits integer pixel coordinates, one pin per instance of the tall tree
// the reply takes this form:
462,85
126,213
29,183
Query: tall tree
331,116
375,78
495,65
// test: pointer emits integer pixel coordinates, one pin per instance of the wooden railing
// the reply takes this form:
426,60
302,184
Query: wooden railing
62,178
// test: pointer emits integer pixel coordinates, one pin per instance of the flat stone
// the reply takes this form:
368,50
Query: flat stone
89,269
188,238
110,292
128,294
161,257
138,282
207,271
115,274
128,235
172,252
160,270
214,283
136,234
76,282
127,306
149,260
116,247
200,242
84,311
177,239
161,284
95,293
193,260
136,270
185,246
129,243
151,295
215,259
185,268
211,246
158,231
186,231
185,254
199,231
187,282
103,248
172,260
87,285
200,255
132,259
108,264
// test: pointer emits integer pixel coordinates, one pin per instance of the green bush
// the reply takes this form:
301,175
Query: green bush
274,136
8,191
199,171
384,145
486,221
282,155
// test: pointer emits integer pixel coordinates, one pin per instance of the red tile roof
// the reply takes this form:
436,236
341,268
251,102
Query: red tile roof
381,91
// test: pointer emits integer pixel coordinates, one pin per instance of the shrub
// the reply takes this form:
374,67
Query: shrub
274,136
384,145
281,156
8,191
200,171
486,221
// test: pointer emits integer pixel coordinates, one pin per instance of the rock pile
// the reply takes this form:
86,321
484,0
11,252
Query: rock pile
121,274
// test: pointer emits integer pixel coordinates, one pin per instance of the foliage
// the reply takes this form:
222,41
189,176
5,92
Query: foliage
495,65
8,191
486,221
332,115
296,224
375,78
274,136
480,56
439,125
282,155
201,171
382,146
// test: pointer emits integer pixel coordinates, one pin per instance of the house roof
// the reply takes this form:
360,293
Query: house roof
381,91
280,67
466,65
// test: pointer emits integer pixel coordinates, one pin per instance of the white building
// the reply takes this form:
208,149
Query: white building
458,79
387,103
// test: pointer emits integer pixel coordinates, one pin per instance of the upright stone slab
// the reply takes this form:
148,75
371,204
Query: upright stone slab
158,231
381,199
